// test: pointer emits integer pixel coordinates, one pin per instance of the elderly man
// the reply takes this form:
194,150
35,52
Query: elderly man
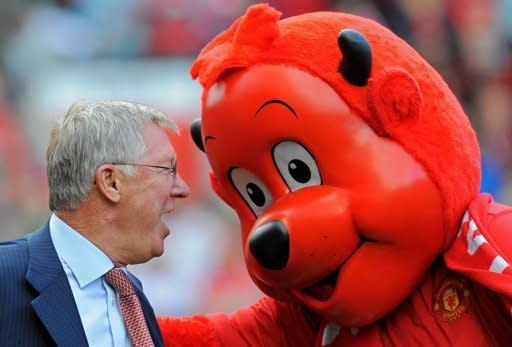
112,176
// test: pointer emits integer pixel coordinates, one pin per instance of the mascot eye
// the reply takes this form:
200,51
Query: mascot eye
251,189
299,171
296,165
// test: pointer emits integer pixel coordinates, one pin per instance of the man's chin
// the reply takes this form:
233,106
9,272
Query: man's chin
158,249
158,253
159,244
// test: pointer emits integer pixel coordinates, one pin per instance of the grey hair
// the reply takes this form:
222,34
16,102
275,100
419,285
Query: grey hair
89,135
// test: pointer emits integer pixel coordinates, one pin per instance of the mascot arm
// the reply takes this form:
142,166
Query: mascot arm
267,323
188,331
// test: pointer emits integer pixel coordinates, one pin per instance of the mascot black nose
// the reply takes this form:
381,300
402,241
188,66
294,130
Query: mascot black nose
270,245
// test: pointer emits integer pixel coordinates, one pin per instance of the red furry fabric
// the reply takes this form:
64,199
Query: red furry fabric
405,98
188,332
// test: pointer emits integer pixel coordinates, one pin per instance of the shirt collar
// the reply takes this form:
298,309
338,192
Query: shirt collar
86,261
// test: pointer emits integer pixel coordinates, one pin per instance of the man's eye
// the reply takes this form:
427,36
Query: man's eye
170,171
165,170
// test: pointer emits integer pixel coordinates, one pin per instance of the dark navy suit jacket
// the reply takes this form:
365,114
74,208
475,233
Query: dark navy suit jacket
37,307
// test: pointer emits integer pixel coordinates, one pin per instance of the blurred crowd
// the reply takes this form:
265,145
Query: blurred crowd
55,52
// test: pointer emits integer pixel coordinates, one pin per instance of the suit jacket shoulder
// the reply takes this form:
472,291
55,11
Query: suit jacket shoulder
13,262
19,325
14,257
38,308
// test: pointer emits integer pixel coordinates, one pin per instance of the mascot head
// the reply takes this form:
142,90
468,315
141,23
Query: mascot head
345,155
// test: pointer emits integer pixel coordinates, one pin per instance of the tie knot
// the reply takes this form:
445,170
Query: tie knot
118,280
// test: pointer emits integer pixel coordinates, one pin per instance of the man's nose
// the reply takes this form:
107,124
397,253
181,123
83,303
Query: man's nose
180,188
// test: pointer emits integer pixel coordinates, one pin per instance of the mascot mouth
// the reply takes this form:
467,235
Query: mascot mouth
323,289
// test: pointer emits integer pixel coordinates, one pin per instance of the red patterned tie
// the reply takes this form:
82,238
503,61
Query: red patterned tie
130,308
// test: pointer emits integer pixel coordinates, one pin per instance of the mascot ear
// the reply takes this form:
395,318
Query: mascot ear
195,132
217,188
394,99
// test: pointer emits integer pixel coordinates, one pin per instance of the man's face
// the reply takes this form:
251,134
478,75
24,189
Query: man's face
147,196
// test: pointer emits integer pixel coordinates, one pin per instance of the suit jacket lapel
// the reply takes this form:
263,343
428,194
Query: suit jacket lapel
149,314
55,304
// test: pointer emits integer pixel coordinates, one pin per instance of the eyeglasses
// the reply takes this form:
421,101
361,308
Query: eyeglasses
167,170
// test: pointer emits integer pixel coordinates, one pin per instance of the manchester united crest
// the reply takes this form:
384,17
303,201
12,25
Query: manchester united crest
451,299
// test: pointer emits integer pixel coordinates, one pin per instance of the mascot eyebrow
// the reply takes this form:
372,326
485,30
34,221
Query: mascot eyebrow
195,127
276,101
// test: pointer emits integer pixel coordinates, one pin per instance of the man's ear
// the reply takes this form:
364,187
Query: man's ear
108,182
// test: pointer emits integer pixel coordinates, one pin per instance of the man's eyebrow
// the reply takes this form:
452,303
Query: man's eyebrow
277,101
167,159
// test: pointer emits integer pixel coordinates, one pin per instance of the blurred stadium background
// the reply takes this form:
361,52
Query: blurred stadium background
53,53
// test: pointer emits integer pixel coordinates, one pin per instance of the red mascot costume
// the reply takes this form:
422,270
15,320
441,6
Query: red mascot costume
354,172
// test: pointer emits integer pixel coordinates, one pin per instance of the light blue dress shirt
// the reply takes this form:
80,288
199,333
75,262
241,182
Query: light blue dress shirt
97,303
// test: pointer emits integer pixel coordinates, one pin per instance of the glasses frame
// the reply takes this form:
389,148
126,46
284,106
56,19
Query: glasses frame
170,169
